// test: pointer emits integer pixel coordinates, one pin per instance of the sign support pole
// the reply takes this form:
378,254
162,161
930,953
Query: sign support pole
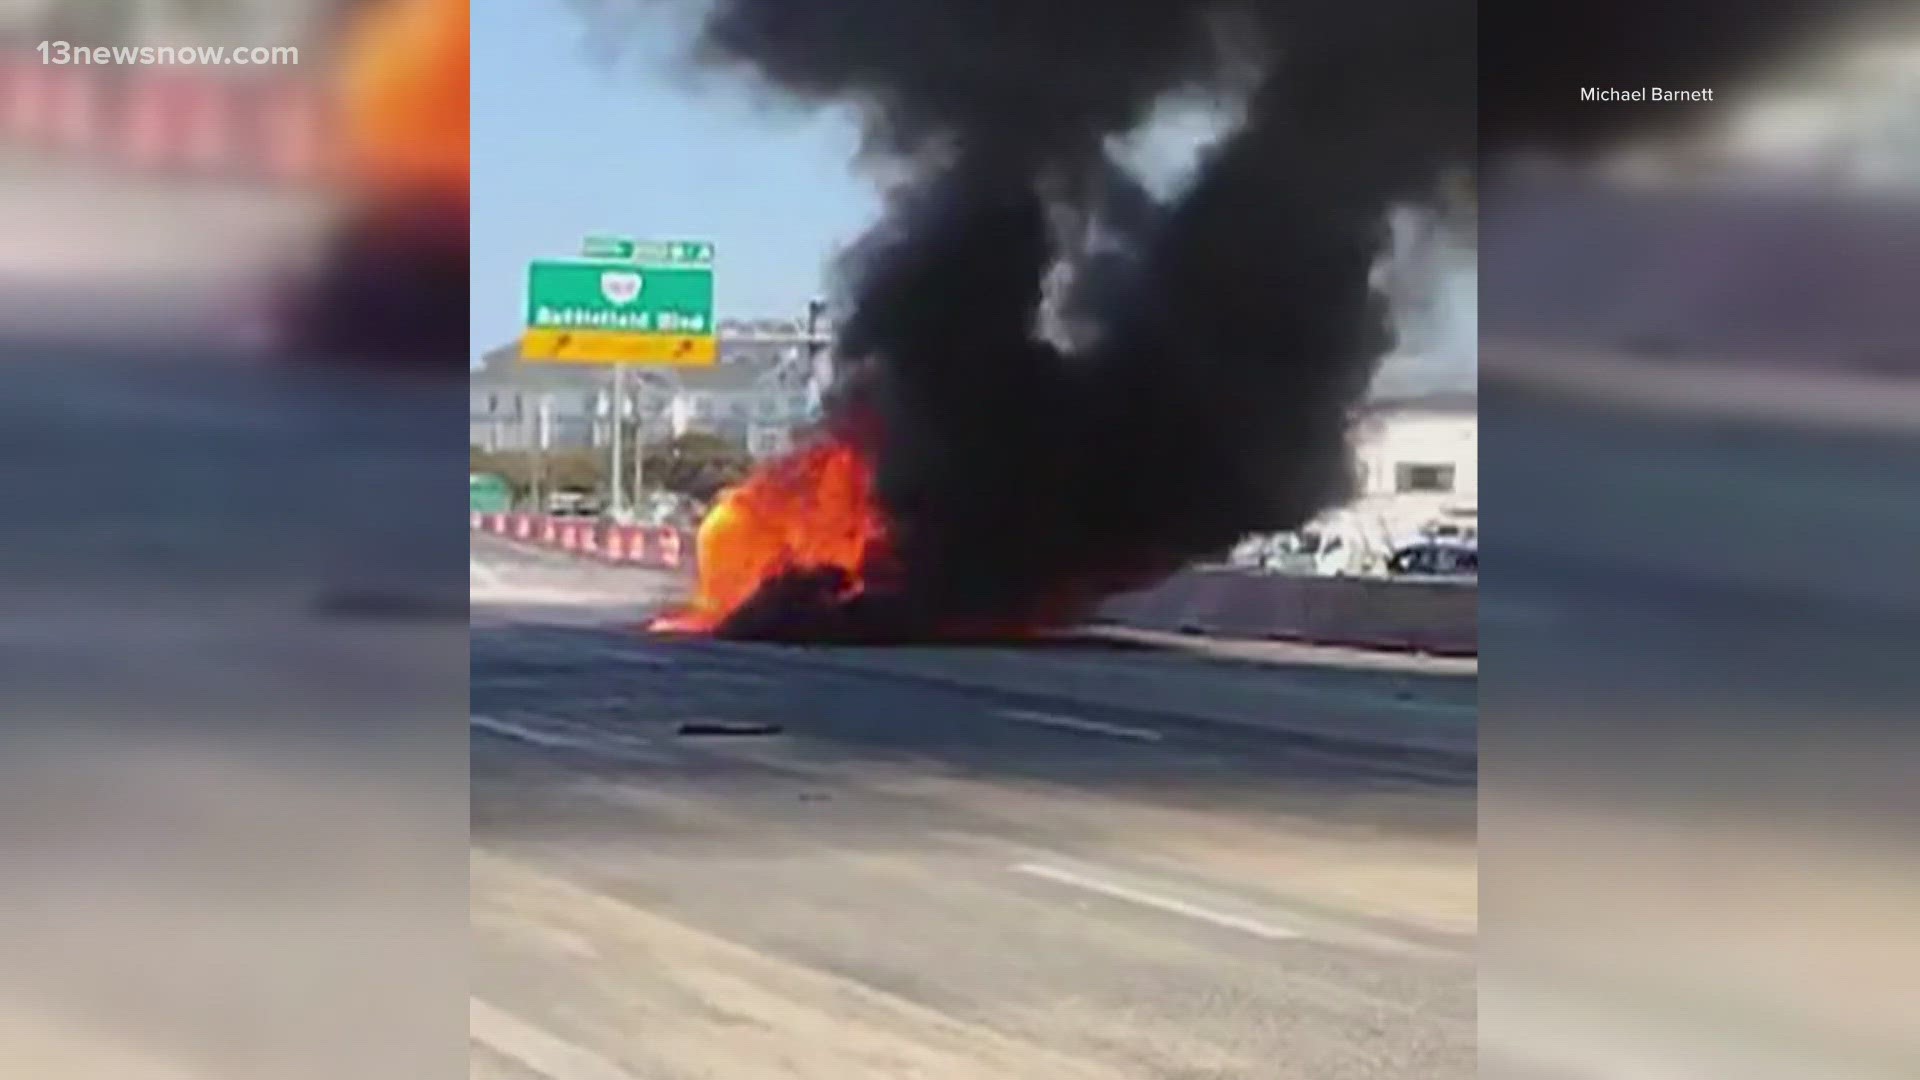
615,470
639,444
542,442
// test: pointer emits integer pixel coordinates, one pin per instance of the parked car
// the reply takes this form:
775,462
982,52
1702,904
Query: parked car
573,504
1435,559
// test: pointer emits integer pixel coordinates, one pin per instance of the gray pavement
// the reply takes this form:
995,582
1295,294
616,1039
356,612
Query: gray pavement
1724,551
233,662
979,874
1697,634
512,583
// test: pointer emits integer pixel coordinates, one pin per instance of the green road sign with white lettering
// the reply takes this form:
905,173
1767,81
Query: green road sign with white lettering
607,247
654,252
620,310
603,294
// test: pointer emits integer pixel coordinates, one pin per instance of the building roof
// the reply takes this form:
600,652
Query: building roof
1448,402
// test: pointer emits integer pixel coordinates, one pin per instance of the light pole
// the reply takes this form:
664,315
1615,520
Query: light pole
616,466
542,439
816,348
639,442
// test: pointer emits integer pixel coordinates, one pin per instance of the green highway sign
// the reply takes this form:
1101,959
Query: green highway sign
607,247
682,252
614,310
652,252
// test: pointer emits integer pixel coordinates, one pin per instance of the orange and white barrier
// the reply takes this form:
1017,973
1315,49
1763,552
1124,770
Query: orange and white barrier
154,121
633,545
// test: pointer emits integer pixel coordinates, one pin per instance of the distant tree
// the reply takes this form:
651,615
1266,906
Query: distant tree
515,468
562,470
697,464
578,470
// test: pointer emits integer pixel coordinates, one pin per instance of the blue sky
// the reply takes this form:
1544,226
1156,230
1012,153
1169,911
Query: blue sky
565,145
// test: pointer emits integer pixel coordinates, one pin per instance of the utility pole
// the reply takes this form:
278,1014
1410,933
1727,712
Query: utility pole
639,442
816,345
542,439
616,466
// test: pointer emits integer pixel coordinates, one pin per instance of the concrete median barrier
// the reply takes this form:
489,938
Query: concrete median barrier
1440,618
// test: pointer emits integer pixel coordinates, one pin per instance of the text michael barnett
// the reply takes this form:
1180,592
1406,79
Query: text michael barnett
1645,93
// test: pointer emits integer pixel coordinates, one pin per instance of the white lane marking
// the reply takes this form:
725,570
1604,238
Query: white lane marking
1074,723
537,1049
488,576
604,742
533,735
1154,900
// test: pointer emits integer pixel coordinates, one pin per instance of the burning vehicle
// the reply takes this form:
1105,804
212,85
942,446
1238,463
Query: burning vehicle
801,550
808,517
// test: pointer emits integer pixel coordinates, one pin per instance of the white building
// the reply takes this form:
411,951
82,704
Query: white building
739,400
1417,444
764,387
1419,463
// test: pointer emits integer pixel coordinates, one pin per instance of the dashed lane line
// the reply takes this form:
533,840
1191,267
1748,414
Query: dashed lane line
1075,723
1158,902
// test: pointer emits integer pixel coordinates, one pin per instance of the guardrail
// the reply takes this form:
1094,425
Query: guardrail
1439,618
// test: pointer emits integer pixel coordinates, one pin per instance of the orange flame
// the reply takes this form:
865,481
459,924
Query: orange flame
404,92
801,549
811,511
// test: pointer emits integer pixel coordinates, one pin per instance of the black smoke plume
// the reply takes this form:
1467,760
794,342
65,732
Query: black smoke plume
1213,347
1223,339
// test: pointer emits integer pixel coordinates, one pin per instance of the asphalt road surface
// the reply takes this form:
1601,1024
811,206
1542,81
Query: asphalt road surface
233,631
1743,552
1697,633
878,869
